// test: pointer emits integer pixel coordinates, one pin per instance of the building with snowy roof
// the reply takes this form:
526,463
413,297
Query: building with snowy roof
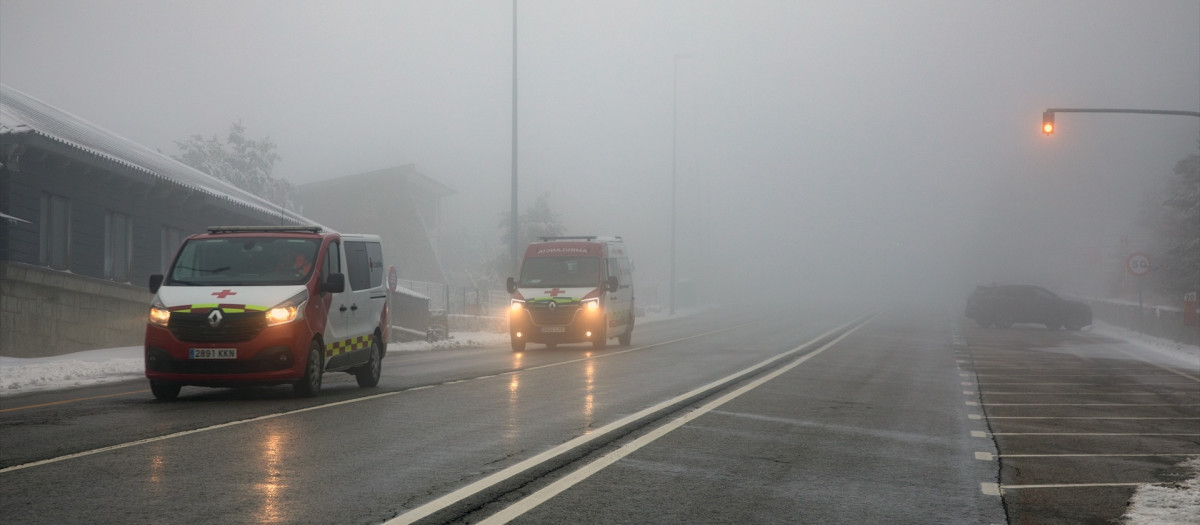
86,216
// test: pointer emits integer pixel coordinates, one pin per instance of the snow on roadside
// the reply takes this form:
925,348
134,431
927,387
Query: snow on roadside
92,367
1175,503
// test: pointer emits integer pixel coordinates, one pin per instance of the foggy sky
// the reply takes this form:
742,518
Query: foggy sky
848,148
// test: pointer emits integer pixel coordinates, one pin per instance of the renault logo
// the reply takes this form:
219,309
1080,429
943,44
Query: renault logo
214,318
552,305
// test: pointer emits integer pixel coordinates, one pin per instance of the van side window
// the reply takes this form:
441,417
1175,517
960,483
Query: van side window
375,261
358,262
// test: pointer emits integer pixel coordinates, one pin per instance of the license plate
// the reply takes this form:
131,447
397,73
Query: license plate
553,329
214,353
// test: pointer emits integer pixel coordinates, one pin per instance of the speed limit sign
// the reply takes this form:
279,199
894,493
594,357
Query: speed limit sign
1138,264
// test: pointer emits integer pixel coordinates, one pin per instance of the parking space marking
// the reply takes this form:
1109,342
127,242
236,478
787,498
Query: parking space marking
1090,404
1088,434
1071,393
1090,455
1096,417
1073,485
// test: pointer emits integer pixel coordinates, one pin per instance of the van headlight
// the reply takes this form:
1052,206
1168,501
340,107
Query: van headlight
592,305
287,311
159,315
516,305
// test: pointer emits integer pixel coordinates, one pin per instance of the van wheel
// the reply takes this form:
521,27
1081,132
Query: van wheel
368,374
626,338
165,391
601,339
518,345
310,384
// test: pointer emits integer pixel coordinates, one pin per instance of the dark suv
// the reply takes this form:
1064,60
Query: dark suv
1003,305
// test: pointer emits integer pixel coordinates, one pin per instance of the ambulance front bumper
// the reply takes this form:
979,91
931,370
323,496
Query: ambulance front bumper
275,355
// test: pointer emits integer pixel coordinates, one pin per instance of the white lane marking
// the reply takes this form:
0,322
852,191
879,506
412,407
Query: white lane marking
513,470
974,416
984,456
339,403
978,434
546,493
193,431
972,403
990,489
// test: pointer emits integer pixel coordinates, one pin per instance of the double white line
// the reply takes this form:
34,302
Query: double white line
539,497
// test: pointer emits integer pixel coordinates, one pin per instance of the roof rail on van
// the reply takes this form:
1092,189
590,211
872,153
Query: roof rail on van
243,229
568,238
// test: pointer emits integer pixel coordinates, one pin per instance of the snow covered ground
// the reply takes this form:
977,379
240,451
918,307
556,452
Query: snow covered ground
1162,504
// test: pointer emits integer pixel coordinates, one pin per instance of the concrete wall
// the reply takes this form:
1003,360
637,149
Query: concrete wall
46,312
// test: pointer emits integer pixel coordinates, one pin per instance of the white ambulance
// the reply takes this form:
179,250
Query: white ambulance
572,289
247,305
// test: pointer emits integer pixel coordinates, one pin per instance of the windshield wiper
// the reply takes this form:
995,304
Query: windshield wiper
218,269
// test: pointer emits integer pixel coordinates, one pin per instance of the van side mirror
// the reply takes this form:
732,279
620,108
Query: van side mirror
335,283
156,282
511,285
613,284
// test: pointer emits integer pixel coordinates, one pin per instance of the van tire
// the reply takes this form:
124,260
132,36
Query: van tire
309,384
368,374
627,338
165,391
601,339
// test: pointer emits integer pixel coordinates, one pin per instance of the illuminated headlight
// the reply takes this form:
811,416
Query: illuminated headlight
159,315
591,305
288,310
516,305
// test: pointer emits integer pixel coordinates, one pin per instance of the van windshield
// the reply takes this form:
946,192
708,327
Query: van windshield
561,271
262,261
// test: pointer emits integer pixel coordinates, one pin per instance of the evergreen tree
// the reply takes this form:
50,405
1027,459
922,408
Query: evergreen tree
1180,230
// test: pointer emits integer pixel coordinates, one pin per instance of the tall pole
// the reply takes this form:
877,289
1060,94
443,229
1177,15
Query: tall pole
674,143
516,222
674,177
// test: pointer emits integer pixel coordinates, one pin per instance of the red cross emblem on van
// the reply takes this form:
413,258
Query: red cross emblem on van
554,292
224,293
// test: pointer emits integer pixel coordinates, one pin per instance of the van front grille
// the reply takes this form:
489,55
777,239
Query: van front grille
234,327
542,315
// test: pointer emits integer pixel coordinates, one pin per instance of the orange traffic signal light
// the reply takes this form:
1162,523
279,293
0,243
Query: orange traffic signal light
1048,122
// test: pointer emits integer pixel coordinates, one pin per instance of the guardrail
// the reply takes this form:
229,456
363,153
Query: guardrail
1159,321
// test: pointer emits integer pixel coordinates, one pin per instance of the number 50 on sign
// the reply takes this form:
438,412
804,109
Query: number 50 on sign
1138,264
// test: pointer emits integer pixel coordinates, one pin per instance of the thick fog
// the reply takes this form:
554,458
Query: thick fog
856,150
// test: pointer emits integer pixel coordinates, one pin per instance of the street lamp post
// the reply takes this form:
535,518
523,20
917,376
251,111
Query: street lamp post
513,211
674,177
1048,115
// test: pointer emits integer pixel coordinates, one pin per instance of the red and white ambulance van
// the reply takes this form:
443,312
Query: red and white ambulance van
244,305
572,289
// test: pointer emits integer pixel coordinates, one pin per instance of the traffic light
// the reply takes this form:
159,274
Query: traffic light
1048,122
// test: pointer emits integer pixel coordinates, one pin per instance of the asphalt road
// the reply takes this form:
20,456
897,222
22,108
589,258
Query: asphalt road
714,418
